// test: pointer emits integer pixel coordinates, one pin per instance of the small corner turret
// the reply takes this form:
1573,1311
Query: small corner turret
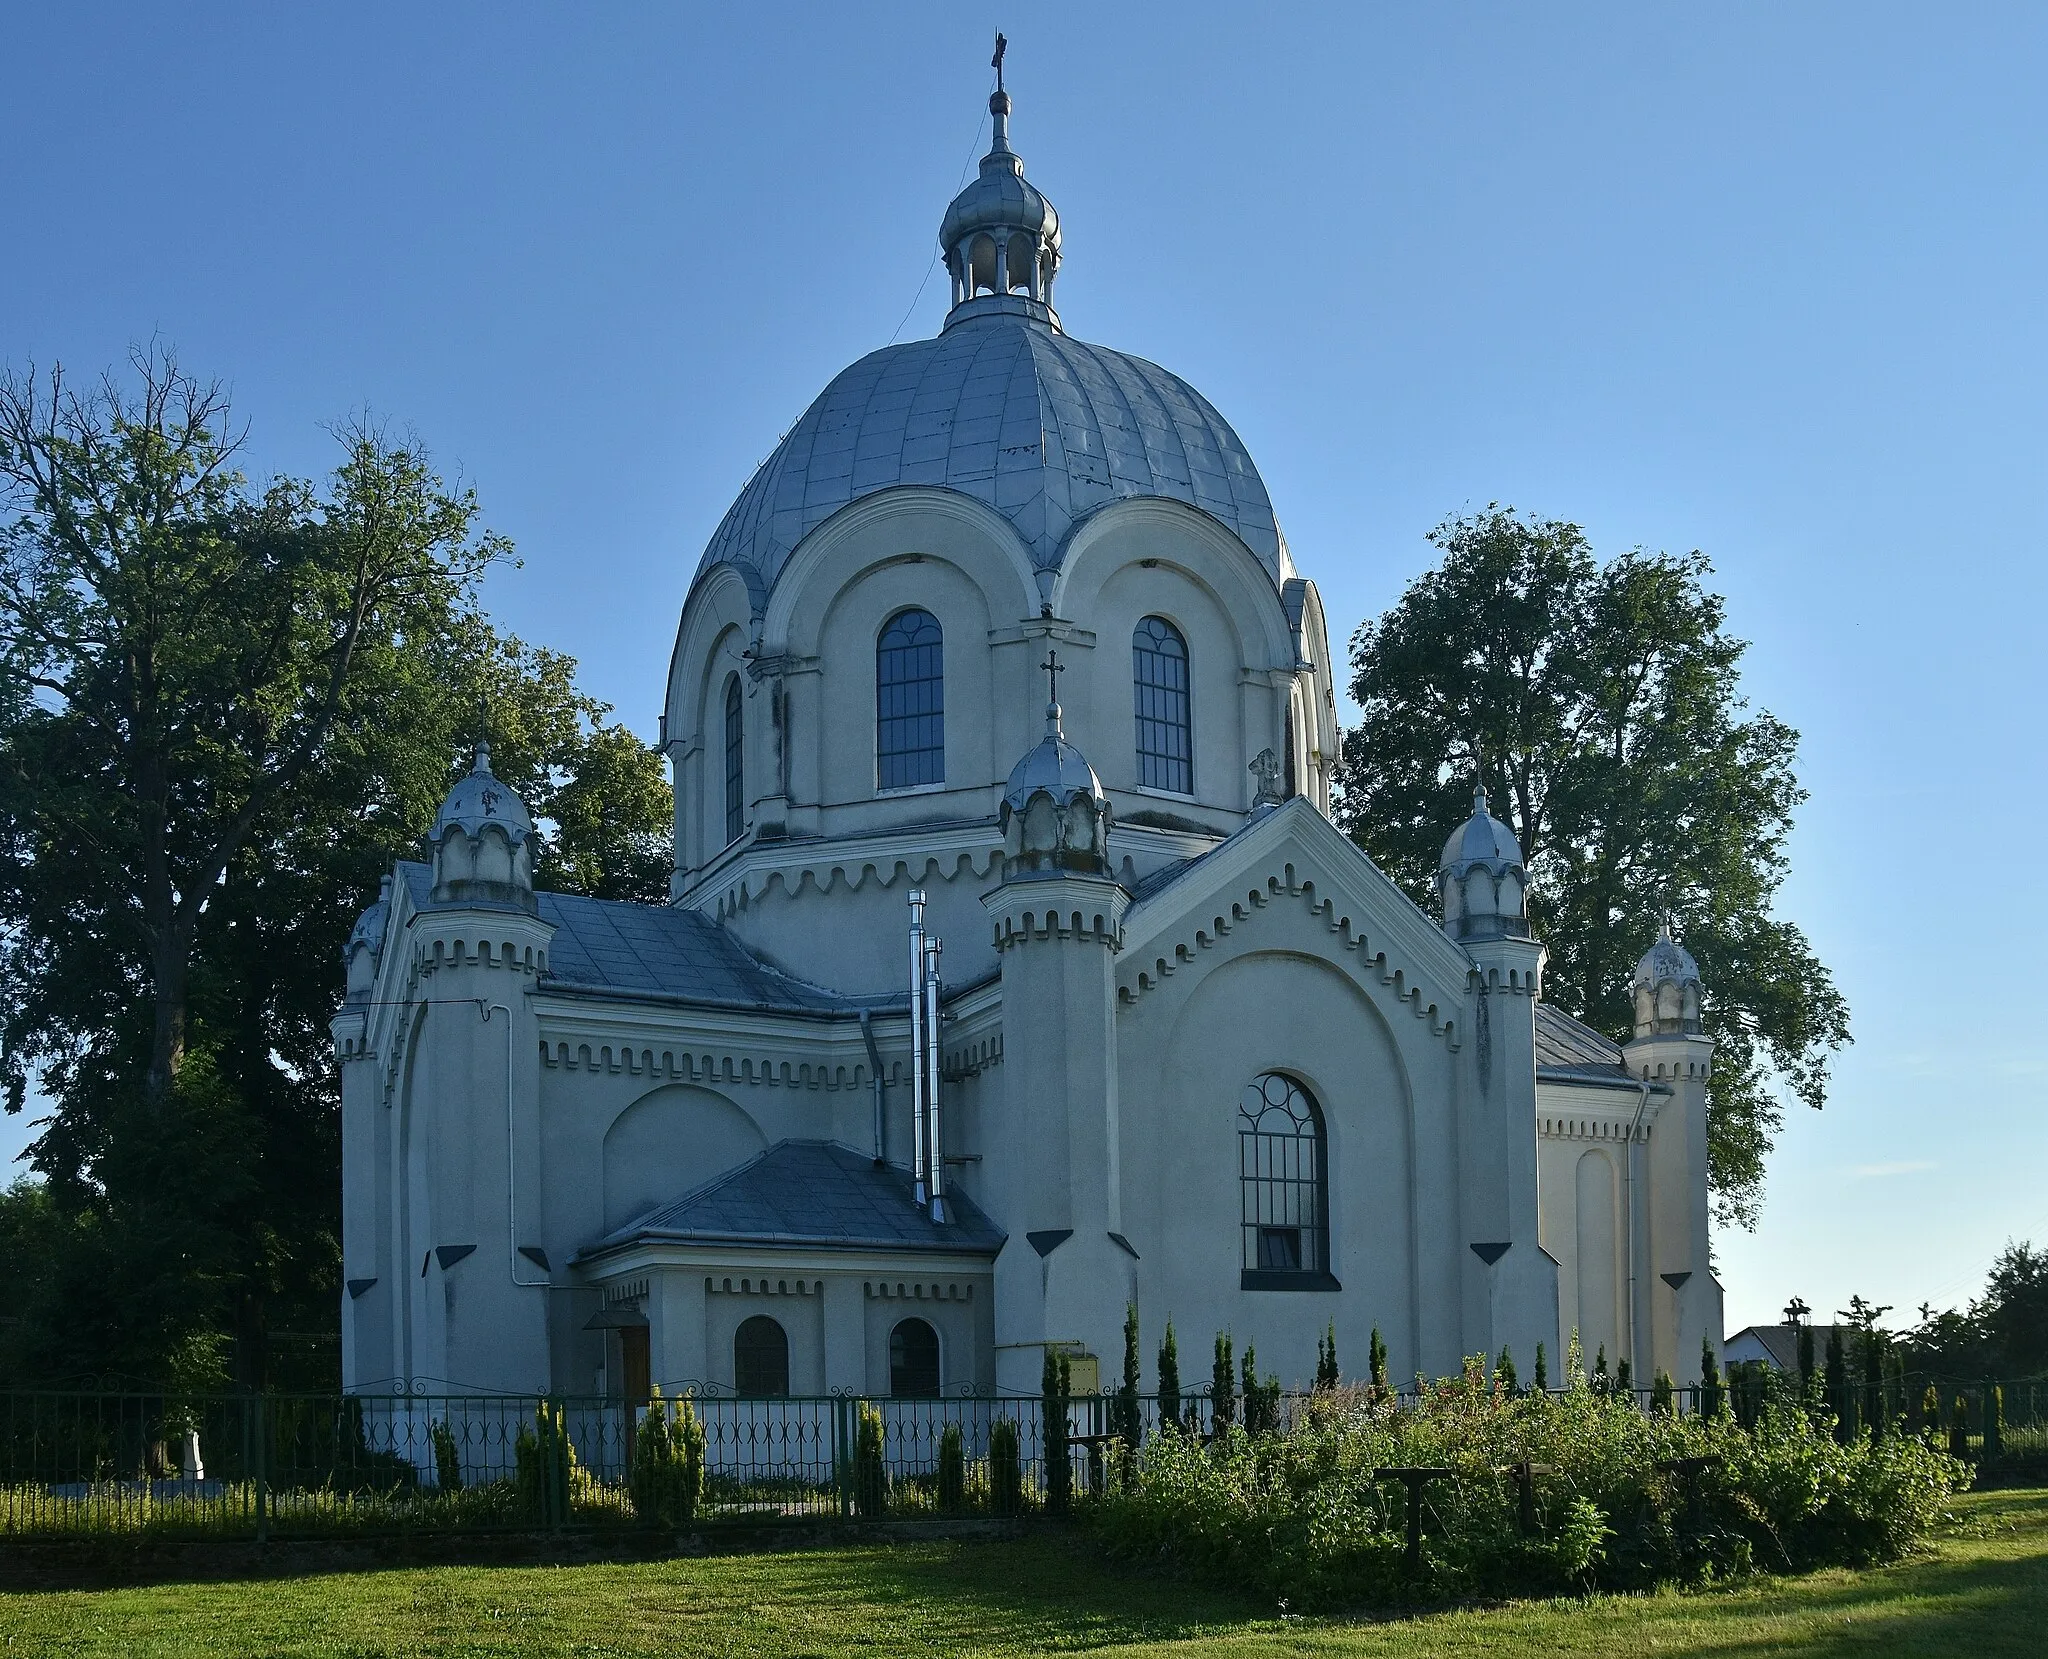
1055,814
482,842
1481,879
1666,989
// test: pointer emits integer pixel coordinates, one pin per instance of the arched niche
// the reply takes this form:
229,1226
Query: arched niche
669,1141
1599,1262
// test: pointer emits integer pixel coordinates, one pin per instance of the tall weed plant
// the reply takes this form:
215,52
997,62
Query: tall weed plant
1300,1514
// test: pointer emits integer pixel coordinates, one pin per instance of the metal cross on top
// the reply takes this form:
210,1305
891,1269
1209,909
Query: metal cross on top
1053,670
996,62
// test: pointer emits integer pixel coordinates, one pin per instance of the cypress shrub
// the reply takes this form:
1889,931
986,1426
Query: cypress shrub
1663,1396
1326,1358
1624,1378
1376,1364
1713,1399
870,1472
447,1457
1169,1379
1602,1382
952,1470
1005,1468
1127,1421
1994,1420
1261,1399
1838,1385
1930,1414
1959,1428
1806,1360
1504,1370
546,1473
667,1477
1222,1388
1054,1382
1542,1368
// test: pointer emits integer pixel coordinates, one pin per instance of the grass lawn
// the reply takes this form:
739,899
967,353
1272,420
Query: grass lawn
1980,1593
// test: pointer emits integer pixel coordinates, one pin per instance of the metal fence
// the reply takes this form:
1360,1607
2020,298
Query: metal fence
258,1466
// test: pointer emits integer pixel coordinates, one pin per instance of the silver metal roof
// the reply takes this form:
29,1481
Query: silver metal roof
1570,1051
1481,839
1667,961
813,1193
478,799
1005,408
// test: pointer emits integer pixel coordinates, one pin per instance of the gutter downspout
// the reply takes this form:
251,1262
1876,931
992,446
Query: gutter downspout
1642,1106
867,1032
511,1154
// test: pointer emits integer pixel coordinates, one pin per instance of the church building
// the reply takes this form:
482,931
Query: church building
1013,968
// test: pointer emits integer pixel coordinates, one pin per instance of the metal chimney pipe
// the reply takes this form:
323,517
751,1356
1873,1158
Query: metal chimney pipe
932,947
917,1039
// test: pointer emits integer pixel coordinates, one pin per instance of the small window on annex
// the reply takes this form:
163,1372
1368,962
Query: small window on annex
735,766
910,702
760,1359
914,1361
1282,1180
1159,685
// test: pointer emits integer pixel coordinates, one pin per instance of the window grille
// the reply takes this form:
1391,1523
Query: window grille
735,768
914,1361
1159,681
1281,1178
760,1359
910,702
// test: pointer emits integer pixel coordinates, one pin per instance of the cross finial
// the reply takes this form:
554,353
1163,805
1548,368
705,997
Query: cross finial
996,62
1054,668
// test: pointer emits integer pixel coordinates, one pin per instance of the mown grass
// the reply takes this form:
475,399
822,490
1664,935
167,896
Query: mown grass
1980,1592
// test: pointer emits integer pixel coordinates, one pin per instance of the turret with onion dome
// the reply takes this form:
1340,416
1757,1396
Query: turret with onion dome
1482,880
1055,814
482,841
1667,989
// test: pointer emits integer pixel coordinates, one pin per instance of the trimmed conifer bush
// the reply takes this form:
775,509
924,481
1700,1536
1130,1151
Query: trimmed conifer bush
447,1457
667,1477
1542,1368
952,1470
1504,1371
1222,1387
1054,1382
1005,1468
1169,1379
870,1467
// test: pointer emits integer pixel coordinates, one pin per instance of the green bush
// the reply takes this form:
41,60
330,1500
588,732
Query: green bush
952,1470
447,1457
1299,1515
870,1472
667,1479
1005,1468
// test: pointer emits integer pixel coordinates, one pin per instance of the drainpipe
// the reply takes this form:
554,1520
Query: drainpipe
867,1033
1642,1106
511,1153
932,948
917,1040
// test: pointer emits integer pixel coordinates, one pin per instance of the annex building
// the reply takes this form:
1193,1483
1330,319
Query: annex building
1002,648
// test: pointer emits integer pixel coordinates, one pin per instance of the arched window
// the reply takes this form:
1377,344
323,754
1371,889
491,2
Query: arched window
1159,681
914,1361
760,1359
1281,1175
735,766
910,702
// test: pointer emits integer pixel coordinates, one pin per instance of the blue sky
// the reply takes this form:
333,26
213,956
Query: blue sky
1760,280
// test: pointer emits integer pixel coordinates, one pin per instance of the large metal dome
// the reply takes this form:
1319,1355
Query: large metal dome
1005,408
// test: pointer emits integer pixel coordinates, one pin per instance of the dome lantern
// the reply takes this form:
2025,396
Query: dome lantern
1481,878
1666,988
1001,237
482,841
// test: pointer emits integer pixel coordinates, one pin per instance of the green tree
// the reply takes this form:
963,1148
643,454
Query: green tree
1169,1378
1713,1397
1055,1386
1376,1362
1870,1355
1504,1370
1542,1370
1222,1387
2014,1310
223,714
1837,1374
1603,702
1327,1375
1128,1421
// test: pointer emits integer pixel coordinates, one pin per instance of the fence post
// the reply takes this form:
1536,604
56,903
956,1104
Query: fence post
842,1472
261,1460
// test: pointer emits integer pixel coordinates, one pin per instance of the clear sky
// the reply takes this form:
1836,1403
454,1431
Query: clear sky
1761,280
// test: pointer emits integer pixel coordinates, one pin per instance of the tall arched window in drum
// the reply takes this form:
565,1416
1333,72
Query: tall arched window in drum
1159,685
760,1359
735,766
1281,1177
910,702
914,1361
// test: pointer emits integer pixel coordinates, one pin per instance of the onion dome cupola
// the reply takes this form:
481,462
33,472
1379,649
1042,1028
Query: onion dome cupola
366,943
1001,237
1666,989
482,841
1481,878
1055,815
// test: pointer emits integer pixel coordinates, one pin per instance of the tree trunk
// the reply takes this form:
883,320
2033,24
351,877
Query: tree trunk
170,972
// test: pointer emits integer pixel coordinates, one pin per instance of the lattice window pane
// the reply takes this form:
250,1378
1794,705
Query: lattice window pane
1159,682
910,702
735,768
1281,1177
